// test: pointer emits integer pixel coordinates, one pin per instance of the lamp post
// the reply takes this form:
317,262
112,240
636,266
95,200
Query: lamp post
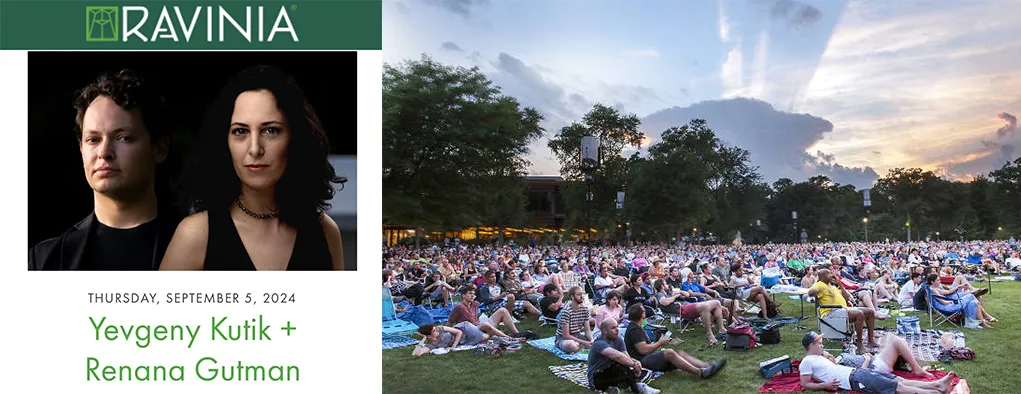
620,210
866,221
794,215
589,162
867,203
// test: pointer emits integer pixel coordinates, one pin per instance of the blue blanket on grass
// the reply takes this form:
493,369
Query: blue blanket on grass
421,315
549,345
396,341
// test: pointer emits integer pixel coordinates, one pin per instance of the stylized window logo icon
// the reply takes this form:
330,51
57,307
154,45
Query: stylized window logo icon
100,23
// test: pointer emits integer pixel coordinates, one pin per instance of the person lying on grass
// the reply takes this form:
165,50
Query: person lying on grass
652,357
447,338
819,371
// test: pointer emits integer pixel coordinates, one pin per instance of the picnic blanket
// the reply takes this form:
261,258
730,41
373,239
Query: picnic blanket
925,346
442,351
578,374
441,314
395,341
421,315
549,345
791,382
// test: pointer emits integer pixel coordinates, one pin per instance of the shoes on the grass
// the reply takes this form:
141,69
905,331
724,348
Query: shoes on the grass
712,368
645,389
612,390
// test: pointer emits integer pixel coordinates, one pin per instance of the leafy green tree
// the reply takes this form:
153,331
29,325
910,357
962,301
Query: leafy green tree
453,148
689,180
1007,192
454,157
614,131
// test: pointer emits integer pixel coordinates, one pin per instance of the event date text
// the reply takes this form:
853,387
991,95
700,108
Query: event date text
192,298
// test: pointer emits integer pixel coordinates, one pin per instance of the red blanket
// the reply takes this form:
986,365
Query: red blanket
791,382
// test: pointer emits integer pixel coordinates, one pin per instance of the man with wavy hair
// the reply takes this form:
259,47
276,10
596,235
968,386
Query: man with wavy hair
121,133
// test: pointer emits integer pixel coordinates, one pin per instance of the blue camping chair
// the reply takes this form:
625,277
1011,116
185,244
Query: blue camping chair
391,324
947,314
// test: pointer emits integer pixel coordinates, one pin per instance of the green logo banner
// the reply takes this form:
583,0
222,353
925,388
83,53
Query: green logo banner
191,25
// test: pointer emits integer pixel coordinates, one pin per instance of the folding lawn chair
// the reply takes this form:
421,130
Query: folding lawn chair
835,325
942,317
391,324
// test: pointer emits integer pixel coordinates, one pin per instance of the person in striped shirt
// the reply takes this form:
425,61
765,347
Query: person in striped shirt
573,330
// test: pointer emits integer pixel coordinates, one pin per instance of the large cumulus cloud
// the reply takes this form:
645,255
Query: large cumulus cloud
777,140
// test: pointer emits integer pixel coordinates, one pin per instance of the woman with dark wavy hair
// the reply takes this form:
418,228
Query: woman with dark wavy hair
260,183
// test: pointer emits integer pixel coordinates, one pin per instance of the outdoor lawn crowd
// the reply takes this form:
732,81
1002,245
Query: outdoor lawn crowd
591,299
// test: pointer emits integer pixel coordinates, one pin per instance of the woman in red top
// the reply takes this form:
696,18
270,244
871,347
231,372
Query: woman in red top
949,278
468,311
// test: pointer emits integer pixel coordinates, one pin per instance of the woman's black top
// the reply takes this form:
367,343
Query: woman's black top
226,252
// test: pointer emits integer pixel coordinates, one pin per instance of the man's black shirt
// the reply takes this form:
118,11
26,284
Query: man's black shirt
121,249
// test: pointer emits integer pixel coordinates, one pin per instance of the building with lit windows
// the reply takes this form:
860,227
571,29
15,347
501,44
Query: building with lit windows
546,213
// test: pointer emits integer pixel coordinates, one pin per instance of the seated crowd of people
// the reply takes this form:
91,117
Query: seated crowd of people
588,299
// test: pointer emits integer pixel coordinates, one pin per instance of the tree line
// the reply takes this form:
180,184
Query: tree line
454,151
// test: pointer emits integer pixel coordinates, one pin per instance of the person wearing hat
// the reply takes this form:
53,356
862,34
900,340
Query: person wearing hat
657,270
819,370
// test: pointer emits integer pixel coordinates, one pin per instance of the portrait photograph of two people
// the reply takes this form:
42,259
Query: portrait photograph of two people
192,160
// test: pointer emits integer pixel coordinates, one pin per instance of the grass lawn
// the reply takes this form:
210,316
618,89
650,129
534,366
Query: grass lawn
992,371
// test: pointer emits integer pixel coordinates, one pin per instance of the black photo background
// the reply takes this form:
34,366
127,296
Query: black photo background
59,196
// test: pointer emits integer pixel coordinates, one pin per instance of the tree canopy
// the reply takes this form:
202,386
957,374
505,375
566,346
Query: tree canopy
453,148
454,156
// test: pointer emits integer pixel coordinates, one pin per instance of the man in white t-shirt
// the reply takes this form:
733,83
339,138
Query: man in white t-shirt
1013,262
819,371
914,258
604,283
907,292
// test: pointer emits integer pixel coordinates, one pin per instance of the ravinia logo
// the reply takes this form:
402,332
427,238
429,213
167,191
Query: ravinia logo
111,24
